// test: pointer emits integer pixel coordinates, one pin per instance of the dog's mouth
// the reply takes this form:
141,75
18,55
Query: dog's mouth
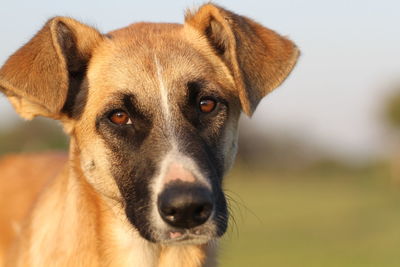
187,236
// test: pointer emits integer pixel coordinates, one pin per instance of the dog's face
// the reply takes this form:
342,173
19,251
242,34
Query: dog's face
162,128
153,109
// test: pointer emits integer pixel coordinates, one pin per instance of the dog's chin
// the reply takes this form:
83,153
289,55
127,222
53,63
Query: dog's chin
186,237
173,236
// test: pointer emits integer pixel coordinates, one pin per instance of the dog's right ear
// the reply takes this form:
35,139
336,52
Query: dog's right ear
41,76
258,58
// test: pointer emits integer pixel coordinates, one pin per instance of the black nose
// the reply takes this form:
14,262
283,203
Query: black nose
185,206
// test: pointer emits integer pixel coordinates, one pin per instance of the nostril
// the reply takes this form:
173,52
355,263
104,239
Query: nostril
199,211
203,211
169,213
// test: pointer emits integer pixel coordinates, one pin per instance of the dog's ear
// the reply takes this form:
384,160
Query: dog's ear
42,75
258,58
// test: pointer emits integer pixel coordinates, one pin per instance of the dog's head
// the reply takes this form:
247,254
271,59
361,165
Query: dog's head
152,109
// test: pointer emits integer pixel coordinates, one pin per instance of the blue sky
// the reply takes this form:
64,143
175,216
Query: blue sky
350,59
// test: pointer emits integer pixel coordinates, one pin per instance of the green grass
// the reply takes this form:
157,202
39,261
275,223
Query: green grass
341,219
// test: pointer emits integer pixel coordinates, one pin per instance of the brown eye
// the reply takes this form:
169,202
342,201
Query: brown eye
120,117
207,105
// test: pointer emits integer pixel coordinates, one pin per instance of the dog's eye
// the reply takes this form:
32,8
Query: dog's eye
207,104
120,117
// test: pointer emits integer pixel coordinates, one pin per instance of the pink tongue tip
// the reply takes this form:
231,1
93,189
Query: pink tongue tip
174,234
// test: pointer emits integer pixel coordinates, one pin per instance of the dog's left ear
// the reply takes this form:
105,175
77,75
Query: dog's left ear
258,58
42,77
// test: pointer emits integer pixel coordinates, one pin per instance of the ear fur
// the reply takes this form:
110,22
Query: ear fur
39,77
259,59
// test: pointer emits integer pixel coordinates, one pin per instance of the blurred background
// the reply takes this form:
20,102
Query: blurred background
317,178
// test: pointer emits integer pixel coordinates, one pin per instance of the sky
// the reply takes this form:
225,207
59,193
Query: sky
349,65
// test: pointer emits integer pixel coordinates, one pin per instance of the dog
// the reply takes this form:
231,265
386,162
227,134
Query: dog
152,113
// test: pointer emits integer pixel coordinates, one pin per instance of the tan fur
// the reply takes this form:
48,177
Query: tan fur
22,178
55,212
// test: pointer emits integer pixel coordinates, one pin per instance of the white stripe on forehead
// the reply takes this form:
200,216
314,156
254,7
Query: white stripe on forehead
164,93
165,105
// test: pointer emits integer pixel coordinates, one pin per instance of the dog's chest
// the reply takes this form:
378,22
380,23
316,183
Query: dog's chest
127,248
